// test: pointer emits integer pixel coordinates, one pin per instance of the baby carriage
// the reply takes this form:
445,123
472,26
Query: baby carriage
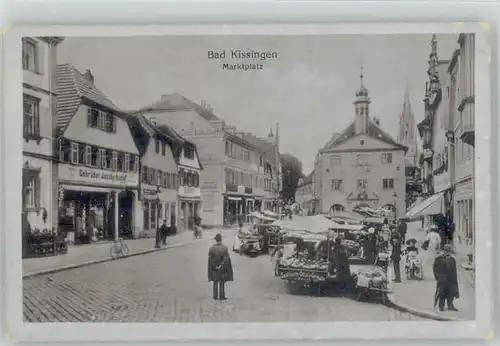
413,265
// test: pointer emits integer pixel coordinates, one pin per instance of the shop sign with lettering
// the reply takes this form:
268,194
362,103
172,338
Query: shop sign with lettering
209,185
97,176
149,193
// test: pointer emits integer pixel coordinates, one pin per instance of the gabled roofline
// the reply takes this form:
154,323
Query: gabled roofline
51,39
396,146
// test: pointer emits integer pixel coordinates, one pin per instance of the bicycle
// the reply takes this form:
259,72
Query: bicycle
118,249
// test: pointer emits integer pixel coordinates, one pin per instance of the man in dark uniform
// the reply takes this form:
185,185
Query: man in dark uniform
396,258
220,269
445,272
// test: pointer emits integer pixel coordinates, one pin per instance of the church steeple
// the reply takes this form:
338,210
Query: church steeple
361,106
277,133
270,135
407,135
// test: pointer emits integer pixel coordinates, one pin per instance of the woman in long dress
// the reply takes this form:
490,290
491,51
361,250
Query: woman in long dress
434,240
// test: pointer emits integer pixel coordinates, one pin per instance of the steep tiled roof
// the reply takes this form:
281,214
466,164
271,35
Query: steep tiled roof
178,139
143,130
72,87
176,102
373,131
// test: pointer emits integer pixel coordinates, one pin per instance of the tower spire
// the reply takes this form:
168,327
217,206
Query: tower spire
361,75
407,102
277,133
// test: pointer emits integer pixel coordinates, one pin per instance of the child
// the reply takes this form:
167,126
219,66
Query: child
412,246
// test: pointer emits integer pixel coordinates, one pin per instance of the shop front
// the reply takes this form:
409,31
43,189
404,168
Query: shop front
190,206
158,205
237,207
95,204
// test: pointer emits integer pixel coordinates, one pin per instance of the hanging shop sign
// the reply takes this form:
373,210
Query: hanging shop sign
97,176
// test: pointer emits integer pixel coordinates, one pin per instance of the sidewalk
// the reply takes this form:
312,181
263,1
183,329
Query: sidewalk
95,253
417,296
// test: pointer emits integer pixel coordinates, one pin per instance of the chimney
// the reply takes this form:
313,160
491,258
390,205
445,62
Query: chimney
376,121
203,104
89,76
209,108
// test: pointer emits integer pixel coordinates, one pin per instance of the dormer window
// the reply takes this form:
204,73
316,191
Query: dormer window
101,120
189,152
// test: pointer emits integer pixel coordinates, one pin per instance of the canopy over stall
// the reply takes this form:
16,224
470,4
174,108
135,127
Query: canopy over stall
260,216
348,216
311,223
270,214
431,206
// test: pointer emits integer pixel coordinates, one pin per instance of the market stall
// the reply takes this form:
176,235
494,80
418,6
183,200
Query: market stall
305,264
255,239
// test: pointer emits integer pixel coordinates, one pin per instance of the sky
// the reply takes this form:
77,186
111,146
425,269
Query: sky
308,89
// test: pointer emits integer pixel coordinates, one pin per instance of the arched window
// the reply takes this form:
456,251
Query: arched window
336,208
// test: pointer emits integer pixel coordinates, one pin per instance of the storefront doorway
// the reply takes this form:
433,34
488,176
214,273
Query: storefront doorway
126,212
86,217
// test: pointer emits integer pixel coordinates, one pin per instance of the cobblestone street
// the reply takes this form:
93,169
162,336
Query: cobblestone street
172,286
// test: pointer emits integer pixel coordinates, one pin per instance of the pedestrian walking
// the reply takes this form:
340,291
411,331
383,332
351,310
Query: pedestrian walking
164,232
220,269
403,228
432,244
445,273
396,258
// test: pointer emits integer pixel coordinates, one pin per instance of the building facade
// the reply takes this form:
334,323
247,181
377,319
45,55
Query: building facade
437,159
462,80
304,195
239,175
190,201
159,179
363,165
39,60
448,137
98,162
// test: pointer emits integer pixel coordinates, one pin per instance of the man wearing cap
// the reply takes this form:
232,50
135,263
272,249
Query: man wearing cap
220,269
445,272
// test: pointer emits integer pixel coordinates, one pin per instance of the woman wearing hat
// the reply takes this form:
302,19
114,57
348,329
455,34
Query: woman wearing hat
445,272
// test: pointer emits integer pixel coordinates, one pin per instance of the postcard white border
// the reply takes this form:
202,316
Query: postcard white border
56,332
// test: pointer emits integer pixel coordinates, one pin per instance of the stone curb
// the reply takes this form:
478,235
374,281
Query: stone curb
102,260
394,303
420,313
